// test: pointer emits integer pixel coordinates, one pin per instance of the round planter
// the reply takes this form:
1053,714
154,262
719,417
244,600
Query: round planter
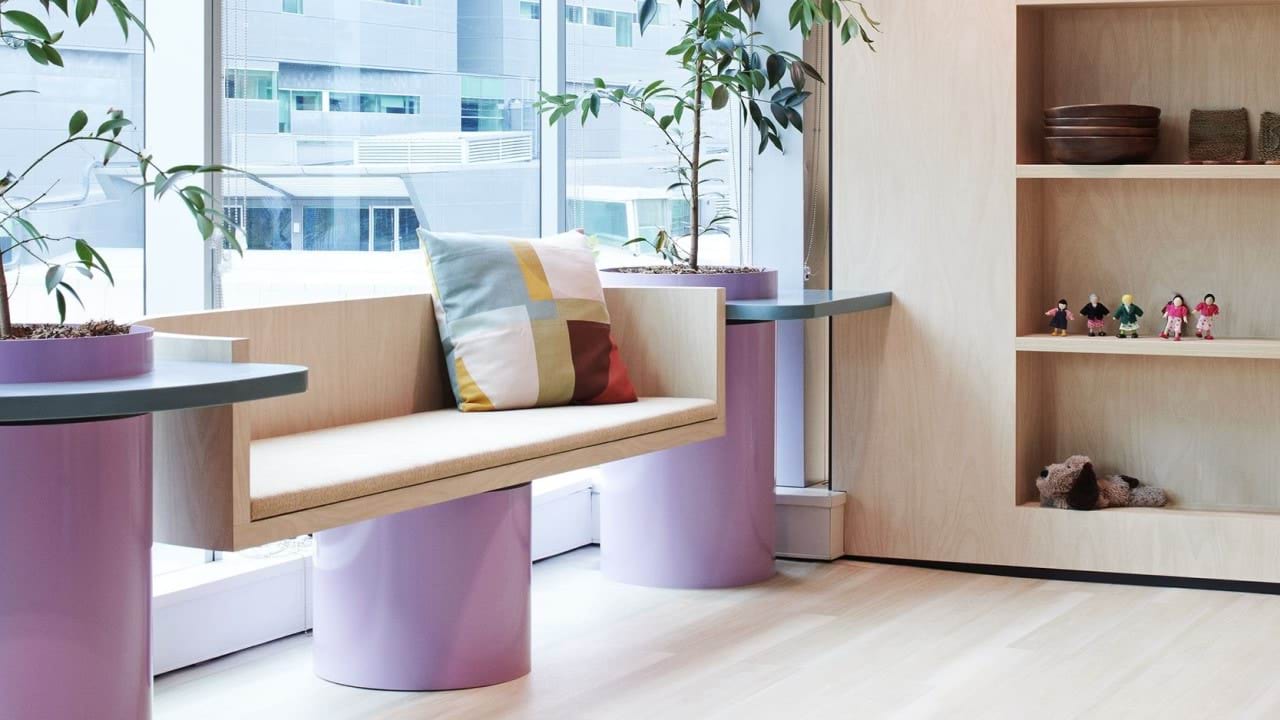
75,526
702,515
68,359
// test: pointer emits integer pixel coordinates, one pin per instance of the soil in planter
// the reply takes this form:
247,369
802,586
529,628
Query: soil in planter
686,270
93,328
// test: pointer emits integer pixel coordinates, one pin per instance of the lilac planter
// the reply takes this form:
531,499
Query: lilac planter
63,360
702,515
75,544
429,599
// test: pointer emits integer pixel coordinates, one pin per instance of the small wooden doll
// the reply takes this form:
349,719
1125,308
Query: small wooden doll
1128,315
1059,317
1207,310
1095,313
1176,313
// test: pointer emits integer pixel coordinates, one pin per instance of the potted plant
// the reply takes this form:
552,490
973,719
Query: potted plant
92,350
725,67
702,515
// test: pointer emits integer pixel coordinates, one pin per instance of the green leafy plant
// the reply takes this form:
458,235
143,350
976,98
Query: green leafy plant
725,66
21,29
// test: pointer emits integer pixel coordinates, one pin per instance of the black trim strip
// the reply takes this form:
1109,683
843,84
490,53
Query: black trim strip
1089,576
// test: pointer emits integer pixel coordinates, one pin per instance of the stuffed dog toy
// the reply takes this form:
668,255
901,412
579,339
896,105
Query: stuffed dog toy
1074,485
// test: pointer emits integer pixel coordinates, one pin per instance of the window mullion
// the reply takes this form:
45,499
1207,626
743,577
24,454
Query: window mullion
554,144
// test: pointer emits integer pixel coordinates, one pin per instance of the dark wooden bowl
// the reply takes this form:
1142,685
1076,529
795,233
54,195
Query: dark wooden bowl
1099,131
1101,150
1102,122
1107,111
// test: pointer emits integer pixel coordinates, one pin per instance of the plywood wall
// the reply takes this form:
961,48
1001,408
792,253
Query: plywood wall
925,395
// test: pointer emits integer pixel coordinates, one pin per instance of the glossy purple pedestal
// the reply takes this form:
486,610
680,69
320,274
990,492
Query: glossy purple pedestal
75,543
429,599
702,515
75,570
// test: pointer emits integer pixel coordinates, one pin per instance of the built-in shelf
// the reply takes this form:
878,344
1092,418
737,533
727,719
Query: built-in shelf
1249,349
1171,510
1151,171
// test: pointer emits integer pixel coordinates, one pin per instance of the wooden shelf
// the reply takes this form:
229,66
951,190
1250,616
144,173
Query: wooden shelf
1247,349
1152,171
1173,510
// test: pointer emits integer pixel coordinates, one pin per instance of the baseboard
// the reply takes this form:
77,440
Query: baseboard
810,523
1089,576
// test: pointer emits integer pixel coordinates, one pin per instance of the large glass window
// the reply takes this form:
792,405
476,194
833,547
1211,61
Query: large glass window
292,6
71,195
620,169
384,120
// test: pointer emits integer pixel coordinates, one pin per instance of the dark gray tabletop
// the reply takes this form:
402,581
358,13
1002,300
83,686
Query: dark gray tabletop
807,305
171,385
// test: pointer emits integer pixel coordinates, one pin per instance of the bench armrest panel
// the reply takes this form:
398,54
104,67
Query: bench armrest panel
201,456
672,340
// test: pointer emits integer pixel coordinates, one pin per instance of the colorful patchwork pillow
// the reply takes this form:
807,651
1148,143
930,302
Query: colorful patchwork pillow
523,322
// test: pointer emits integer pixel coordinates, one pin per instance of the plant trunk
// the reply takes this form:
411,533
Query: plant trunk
695,209
6,322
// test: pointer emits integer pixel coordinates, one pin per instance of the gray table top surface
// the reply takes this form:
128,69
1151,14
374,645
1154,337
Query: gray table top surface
807,305
171,385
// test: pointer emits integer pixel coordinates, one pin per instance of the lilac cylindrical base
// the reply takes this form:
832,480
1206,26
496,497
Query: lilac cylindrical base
75,570
429,599
702,515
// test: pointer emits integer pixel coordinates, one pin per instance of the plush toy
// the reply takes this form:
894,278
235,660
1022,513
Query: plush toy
1073,485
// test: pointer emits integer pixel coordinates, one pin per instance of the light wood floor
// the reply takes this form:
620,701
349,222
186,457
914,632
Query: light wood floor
846,640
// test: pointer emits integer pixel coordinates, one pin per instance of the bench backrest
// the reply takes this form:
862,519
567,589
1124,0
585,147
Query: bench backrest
369,359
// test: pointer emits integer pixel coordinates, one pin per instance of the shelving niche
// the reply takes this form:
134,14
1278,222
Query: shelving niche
1201,419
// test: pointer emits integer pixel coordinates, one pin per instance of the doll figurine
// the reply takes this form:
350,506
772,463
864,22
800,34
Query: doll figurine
1058,318
1176,313
1207,310
1096,314
1127,315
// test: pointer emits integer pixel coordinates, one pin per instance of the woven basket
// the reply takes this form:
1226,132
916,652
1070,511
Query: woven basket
1219,135
1269,137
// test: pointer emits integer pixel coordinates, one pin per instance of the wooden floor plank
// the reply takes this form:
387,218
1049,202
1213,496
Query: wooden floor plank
818,641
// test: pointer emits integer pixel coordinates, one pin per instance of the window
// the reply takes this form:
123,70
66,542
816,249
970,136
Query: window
363,145
605,220
373,103
407,229
531,10
291,100
417,3
573,14
623,23
70,194
251,84
483,104
335,228
268,228
619,168
293,6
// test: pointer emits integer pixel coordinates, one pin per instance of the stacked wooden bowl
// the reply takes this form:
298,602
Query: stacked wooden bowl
1101,133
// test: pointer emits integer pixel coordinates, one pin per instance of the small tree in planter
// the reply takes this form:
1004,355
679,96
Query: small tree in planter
724,65
21,29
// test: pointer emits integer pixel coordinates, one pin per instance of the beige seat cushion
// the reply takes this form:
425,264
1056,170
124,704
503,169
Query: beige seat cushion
298,472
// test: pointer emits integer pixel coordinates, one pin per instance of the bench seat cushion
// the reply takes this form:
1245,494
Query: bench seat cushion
308,470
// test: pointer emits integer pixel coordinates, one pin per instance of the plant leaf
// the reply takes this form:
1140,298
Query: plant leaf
85,10
28,23
78,122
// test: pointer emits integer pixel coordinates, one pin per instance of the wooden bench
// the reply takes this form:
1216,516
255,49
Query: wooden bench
377,433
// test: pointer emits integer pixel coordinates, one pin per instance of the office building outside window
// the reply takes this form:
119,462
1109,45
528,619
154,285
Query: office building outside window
379,118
